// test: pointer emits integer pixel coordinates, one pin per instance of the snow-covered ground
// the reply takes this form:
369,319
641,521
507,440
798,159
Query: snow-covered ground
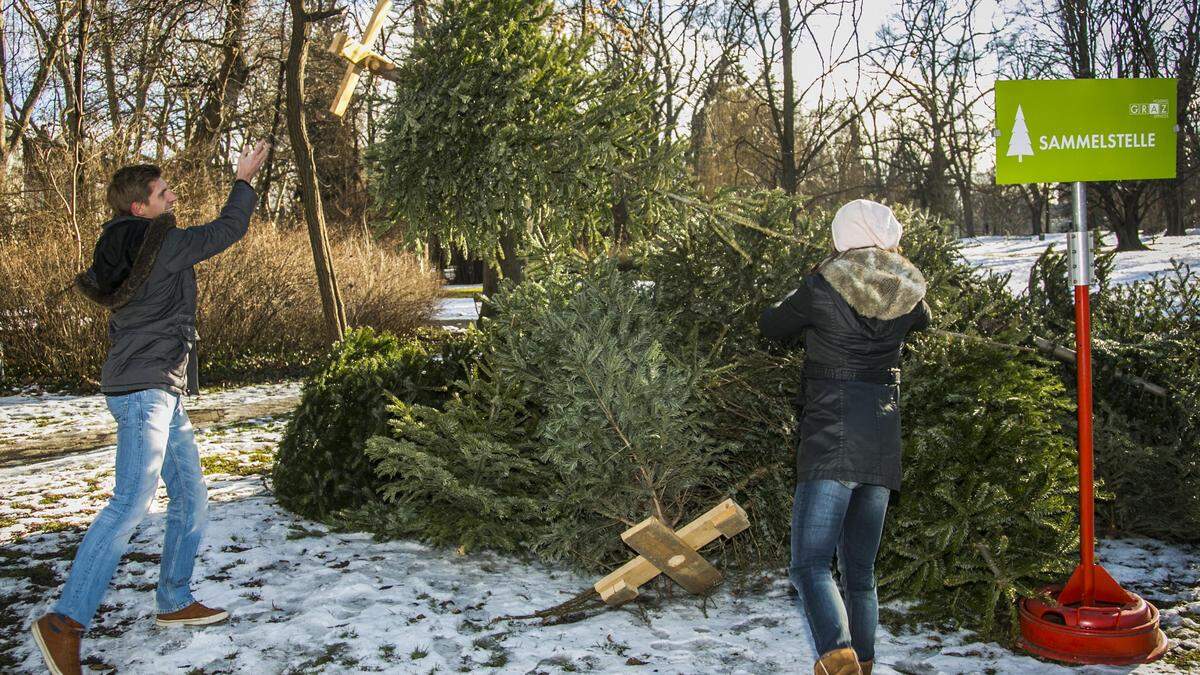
456,309
36,414
1016,256
308,600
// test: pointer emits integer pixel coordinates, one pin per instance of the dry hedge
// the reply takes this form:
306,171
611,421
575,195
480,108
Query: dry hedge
259,309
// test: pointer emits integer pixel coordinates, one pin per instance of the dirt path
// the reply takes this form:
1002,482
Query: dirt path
27,450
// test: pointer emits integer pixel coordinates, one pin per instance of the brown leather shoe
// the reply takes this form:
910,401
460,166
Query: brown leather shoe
838,662
58,637
866,666
194,614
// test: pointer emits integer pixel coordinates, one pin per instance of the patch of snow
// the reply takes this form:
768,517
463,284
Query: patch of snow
39,414
1016,256
457,309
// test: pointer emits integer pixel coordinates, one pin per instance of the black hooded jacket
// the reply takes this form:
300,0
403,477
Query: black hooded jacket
854,314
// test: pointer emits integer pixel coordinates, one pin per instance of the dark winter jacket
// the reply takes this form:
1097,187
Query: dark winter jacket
853,314
142,271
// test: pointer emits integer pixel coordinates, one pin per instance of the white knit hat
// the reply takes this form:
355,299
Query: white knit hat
863,223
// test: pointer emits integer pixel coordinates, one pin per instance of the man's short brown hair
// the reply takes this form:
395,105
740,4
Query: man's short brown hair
131,184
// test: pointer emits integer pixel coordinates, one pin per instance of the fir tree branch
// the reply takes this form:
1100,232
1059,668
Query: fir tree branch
647,482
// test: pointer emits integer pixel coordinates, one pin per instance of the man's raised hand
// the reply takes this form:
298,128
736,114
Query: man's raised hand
251,159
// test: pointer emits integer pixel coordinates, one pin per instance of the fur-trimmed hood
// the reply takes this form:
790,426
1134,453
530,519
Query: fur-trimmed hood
123,259
878,284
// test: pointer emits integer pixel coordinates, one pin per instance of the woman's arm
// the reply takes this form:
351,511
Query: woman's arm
922,319
790,316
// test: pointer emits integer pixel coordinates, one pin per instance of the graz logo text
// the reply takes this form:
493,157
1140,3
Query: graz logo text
1157,108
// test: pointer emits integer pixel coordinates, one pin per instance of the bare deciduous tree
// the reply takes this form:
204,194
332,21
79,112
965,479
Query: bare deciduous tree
306,169
935,53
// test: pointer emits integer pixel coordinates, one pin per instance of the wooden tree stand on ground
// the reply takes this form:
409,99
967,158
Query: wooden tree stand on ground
672,553
662,551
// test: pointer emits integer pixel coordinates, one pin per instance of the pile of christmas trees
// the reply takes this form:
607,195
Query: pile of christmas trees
598,396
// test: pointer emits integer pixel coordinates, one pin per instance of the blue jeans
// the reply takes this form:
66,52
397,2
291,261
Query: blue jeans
829,516
153,436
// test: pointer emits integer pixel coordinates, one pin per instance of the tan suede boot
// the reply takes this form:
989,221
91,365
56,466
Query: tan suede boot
838,662
58,638
866,666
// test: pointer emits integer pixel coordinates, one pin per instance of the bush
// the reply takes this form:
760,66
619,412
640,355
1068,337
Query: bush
465,476
987,512
320,467
598,399
258,309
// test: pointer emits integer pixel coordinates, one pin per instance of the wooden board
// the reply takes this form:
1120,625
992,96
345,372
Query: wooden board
618,594
726,518
345,90
375,25
672,556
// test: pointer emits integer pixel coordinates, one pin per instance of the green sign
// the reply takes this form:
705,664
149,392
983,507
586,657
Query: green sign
1057,131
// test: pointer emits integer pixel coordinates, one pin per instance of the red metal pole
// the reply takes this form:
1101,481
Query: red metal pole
1081,273
1083,374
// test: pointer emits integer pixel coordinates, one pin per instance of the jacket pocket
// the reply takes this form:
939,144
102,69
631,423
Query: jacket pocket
887,416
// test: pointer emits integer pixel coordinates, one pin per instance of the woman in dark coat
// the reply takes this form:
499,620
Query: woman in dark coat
853,312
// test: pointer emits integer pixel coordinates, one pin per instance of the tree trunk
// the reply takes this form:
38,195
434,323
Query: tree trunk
269,174
1046,214
491,283
1032,196
968,207
1077,35
78,177
4,142
145,78
512,266
160,137
787,143
509,266
110,75
1122,207
1172,205
306,170
225,88
620,216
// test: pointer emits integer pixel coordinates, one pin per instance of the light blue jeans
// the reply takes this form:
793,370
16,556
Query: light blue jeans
154,437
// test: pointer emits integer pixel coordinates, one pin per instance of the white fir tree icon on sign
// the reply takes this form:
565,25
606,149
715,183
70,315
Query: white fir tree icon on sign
1018,144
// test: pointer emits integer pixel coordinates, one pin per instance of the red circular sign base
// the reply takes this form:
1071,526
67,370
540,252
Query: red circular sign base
1103,633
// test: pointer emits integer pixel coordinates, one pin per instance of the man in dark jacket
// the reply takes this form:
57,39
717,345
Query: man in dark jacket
142,270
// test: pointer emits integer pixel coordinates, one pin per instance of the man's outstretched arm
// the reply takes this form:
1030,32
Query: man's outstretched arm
196,244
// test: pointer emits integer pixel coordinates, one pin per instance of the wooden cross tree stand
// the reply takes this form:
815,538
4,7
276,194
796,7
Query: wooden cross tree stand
359,55
672,553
